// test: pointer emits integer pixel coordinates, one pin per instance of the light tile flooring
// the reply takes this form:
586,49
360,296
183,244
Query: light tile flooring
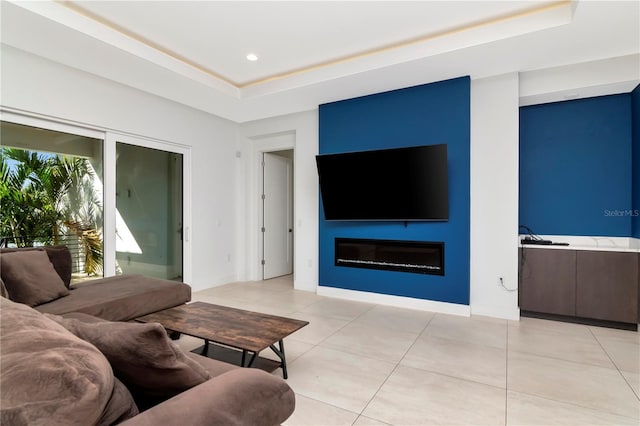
364,364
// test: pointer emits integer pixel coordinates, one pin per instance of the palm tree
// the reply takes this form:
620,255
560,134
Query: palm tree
25,212
45,196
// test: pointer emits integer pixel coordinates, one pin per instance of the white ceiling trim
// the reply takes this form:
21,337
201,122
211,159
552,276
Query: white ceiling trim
541,18
546,16
92,28
596,33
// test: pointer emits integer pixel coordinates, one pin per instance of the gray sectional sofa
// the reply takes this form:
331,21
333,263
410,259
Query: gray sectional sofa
69,356
119,298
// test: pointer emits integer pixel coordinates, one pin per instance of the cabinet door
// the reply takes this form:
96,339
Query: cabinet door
548,281
607,286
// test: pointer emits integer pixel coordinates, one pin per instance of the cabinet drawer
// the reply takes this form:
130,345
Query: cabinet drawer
607,286
548,281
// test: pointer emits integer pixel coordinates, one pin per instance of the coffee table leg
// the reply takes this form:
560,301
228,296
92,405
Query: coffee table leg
244,357
253,358
205,350
283,359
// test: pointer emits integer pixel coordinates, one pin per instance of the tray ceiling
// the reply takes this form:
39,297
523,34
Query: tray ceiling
194,52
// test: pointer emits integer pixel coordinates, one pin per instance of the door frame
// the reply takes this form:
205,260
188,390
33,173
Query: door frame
110,195
109,139
288,208
261,144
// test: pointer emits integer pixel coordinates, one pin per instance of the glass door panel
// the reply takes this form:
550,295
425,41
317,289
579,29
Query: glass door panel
51,192
149,212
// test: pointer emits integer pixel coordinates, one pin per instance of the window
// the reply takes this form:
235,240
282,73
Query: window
51,192
121,203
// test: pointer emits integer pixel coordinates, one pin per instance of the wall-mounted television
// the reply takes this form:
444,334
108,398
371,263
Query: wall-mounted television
401,184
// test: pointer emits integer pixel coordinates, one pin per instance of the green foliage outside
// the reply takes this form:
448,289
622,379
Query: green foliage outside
44,197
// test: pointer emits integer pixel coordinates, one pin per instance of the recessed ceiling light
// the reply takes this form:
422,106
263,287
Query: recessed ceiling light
252,57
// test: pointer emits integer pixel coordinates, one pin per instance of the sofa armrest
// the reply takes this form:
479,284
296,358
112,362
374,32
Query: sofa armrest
239,397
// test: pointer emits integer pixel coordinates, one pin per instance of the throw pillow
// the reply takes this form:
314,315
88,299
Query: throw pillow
141,355
48,376
60,257
30,277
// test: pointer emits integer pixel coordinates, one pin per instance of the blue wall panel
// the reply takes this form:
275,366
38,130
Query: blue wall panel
576,167
635,185
423,115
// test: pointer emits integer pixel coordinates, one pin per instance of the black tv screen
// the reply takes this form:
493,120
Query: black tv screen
403,184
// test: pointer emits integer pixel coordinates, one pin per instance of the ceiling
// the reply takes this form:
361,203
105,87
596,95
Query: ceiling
289,37
194,52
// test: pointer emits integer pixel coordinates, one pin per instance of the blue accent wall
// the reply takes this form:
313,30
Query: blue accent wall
635,185
423,115
576,167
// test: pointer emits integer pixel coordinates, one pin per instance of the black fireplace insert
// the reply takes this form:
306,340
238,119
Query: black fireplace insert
420,257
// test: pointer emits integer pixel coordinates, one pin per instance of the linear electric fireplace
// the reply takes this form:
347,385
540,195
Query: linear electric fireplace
420,257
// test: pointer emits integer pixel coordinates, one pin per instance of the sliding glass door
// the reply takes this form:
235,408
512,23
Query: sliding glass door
149,211
51,192
119,202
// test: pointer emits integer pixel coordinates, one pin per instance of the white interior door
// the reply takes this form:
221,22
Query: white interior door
277,225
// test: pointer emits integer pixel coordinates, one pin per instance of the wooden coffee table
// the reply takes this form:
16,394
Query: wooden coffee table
250,332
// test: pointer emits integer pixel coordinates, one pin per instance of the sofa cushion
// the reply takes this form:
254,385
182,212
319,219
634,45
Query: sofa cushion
48,375
141,355
120,407
30,278
241,397
213,366
3,289
60,257
121,298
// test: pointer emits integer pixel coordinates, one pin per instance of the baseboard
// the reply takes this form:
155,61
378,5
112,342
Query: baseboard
496,312
397,301
212,282
304,286
580,320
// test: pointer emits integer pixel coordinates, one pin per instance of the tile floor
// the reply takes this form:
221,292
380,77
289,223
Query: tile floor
364,364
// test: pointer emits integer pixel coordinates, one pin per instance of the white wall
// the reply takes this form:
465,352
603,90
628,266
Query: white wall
494,193
224,231
576,81
259,136
494,196
36,85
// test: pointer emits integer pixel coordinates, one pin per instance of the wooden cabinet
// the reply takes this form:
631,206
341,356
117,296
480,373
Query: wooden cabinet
548,281
607,286
600,285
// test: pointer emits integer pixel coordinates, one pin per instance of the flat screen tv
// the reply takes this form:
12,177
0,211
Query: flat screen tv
402,184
